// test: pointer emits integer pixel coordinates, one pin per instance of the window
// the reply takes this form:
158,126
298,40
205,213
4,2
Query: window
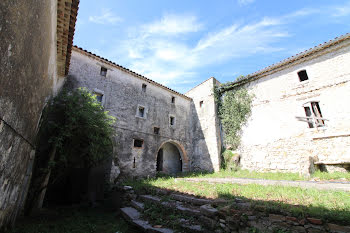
144,86
141,112
313,114
103,71
172,121
302,75
173,100
99,97
134,163
138,143
201,103
156,130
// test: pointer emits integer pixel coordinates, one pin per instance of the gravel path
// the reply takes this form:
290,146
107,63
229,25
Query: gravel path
322,185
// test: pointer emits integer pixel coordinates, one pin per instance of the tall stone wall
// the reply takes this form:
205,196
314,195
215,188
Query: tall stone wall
205,127
275,139
122,96
28,77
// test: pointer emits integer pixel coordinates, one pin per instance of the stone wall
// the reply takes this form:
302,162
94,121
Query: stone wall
122,96
275,139
205,127
28,77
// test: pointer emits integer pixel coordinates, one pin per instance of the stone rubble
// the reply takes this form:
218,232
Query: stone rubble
238,217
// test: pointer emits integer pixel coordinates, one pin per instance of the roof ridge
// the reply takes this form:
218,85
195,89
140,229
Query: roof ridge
131,72
293,58
212,77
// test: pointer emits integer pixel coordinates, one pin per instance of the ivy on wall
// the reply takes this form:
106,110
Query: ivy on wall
234,109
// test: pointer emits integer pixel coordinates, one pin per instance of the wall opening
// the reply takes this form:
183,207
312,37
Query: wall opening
173,100
99,97
172,121
201,103
141,112
314,115
302,75
103,71
144,86
138,143
169,159
156,130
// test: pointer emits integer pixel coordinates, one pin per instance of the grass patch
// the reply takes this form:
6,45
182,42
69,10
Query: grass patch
328,205
331,176
73,220
318,175
248,174
158,215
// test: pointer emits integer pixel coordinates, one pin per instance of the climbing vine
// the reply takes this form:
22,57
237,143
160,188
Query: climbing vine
234,108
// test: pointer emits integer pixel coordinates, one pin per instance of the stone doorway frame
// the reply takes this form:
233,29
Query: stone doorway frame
182,151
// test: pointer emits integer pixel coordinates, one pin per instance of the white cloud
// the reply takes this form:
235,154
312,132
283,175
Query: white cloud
156,51
245,2
341,11
107,17
173,24
161,50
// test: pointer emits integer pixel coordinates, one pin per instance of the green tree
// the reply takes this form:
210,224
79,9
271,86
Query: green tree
75,132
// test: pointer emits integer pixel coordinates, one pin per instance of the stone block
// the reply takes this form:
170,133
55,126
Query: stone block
338,228
314,230
276,218
137,205
207,222
208,210
315,221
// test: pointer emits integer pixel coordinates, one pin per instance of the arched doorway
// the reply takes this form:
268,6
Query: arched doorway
169,159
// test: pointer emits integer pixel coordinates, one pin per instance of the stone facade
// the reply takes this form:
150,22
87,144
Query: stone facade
183,145
277,136
29,76
206,127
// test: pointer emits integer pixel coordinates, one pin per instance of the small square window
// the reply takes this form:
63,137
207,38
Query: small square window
156,130
141,112
144,86
302,75
173,100
99,97
172,121
138,143
201,103
103,71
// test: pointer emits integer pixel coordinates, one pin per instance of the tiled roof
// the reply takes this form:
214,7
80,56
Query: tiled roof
277,66
67,11
90,54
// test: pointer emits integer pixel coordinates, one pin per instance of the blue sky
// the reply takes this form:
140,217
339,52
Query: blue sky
184,42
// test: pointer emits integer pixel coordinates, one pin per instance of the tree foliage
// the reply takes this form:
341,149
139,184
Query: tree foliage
234,108
79,128
75,132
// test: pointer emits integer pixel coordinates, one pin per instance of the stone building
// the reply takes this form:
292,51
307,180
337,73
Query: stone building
35,43
300,113
158,129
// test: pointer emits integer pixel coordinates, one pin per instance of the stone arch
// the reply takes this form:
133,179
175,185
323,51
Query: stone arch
182,153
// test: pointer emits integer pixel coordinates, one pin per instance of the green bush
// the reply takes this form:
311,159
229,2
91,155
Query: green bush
79,128
75,132
229,161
